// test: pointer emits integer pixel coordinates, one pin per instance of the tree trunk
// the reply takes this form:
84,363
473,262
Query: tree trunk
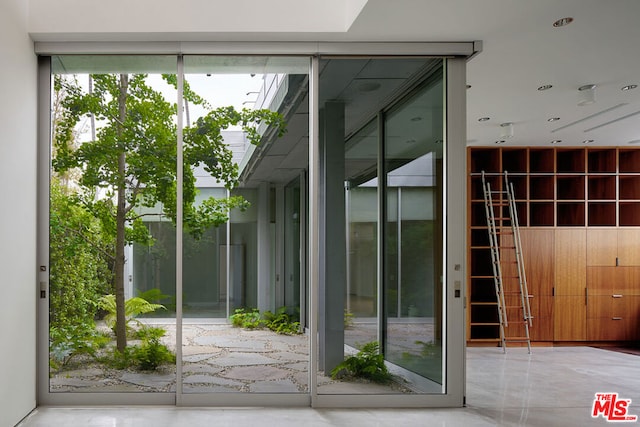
121,323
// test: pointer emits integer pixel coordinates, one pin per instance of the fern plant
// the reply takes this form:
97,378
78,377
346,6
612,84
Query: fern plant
133,307
368,363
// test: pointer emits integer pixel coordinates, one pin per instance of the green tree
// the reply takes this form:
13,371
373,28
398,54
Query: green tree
132,162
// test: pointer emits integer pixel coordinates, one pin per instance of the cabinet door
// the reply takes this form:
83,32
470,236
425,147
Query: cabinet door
569,318
538,253
570,309
601,280
602,247
542,322
570,262
629,247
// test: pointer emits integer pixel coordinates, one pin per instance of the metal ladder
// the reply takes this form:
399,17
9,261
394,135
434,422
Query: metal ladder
506,254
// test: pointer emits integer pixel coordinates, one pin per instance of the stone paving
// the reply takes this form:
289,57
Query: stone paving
219,358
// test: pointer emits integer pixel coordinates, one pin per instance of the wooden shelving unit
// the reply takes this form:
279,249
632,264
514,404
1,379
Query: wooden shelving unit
556,189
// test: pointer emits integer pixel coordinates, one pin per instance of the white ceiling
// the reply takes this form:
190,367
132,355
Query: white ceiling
522,51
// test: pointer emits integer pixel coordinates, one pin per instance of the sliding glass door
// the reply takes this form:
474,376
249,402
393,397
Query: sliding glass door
249,229
241,331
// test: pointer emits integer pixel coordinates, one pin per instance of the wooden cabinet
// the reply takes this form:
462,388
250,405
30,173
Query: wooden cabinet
579,212
613,284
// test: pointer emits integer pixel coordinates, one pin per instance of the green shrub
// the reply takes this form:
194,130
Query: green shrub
151,354
146,356
348,319
247,319
368,363
68,341
281,322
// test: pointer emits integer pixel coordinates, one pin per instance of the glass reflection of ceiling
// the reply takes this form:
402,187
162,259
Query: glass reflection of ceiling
193,64
416,173
413,130
107,64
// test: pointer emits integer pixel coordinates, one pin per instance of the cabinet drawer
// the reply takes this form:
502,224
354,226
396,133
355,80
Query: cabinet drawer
612,329
616,305
613,280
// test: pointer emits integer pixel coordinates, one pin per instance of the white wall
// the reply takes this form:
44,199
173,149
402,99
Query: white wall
17,214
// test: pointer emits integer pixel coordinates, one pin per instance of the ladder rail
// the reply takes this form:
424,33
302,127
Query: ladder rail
495,258
517,243
520,259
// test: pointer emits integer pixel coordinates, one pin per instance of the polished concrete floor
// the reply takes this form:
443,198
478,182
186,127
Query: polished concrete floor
554,386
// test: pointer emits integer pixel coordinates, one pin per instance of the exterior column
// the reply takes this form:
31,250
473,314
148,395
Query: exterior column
264,249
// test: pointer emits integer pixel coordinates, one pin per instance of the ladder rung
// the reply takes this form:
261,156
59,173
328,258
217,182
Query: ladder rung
517,339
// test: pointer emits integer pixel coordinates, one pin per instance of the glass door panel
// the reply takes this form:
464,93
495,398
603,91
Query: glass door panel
112,238
240,280
387,262
413,257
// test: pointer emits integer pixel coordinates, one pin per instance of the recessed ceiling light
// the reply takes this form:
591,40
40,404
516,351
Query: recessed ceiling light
506,130
629,87
416,119
553,119
587,94
484,119
545,87
587,141
369,86
563,21
501,141
556,141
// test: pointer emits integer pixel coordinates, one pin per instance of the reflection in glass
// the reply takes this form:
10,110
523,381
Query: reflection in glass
361,154
413,257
